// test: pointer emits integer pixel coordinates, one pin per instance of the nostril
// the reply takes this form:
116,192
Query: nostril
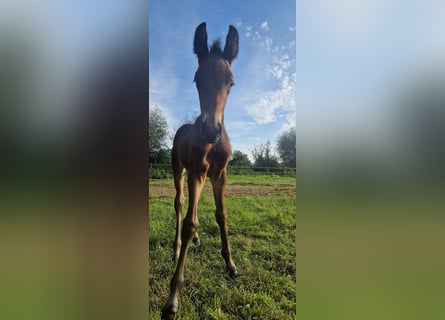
210,134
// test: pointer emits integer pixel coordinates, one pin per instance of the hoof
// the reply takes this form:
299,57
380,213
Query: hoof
167,314
170,308
233,273
196,241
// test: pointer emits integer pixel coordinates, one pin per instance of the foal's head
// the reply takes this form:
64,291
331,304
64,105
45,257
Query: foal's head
213,80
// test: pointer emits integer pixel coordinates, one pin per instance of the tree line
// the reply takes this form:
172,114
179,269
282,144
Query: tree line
263,154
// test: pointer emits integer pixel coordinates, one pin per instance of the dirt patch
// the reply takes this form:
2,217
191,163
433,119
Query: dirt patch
257,189
165,189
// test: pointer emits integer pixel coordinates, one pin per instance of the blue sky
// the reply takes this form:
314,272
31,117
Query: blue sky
263,102
333,68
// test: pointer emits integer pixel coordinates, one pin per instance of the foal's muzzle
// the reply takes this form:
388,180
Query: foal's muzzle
210,134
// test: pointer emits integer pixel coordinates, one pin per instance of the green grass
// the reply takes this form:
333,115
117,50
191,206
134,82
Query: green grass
262,236
374,255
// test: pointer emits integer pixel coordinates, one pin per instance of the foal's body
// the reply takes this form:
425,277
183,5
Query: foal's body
213,159
203,149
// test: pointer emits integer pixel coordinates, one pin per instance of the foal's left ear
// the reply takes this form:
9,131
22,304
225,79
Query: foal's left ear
231,47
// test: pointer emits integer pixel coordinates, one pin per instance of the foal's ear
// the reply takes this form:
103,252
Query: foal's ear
200,43
231,47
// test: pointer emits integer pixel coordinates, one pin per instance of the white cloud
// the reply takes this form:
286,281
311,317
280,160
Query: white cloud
265,25
279,68
275,71
264,108
248,31
271,94
291,117
267,43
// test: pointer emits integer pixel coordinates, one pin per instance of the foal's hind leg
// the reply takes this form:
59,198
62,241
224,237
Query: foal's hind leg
219,186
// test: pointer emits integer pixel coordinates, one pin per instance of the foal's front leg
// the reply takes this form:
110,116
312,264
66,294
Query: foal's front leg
189,228
219,186
179,204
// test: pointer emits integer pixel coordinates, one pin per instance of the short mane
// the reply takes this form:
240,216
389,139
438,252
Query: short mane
216,47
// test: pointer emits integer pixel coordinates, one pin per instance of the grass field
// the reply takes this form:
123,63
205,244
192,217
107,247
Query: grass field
262,235
358,255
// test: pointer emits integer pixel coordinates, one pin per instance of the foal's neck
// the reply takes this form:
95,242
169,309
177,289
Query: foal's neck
199,120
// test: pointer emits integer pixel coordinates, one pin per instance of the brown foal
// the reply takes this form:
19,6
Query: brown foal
203,149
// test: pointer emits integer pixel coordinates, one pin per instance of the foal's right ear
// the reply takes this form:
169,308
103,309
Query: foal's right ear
200,46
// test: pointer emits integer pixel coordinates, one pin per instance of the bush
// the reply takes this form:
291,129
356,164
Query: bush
161,172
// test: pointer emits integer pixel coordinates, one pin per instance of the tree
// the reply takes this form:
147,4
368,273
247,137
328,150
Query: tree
239,159
157,135
190,118
263,157
286,146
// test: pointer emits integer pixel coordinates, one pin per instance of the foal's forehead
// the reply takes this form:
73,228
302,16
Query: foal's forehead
214,65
